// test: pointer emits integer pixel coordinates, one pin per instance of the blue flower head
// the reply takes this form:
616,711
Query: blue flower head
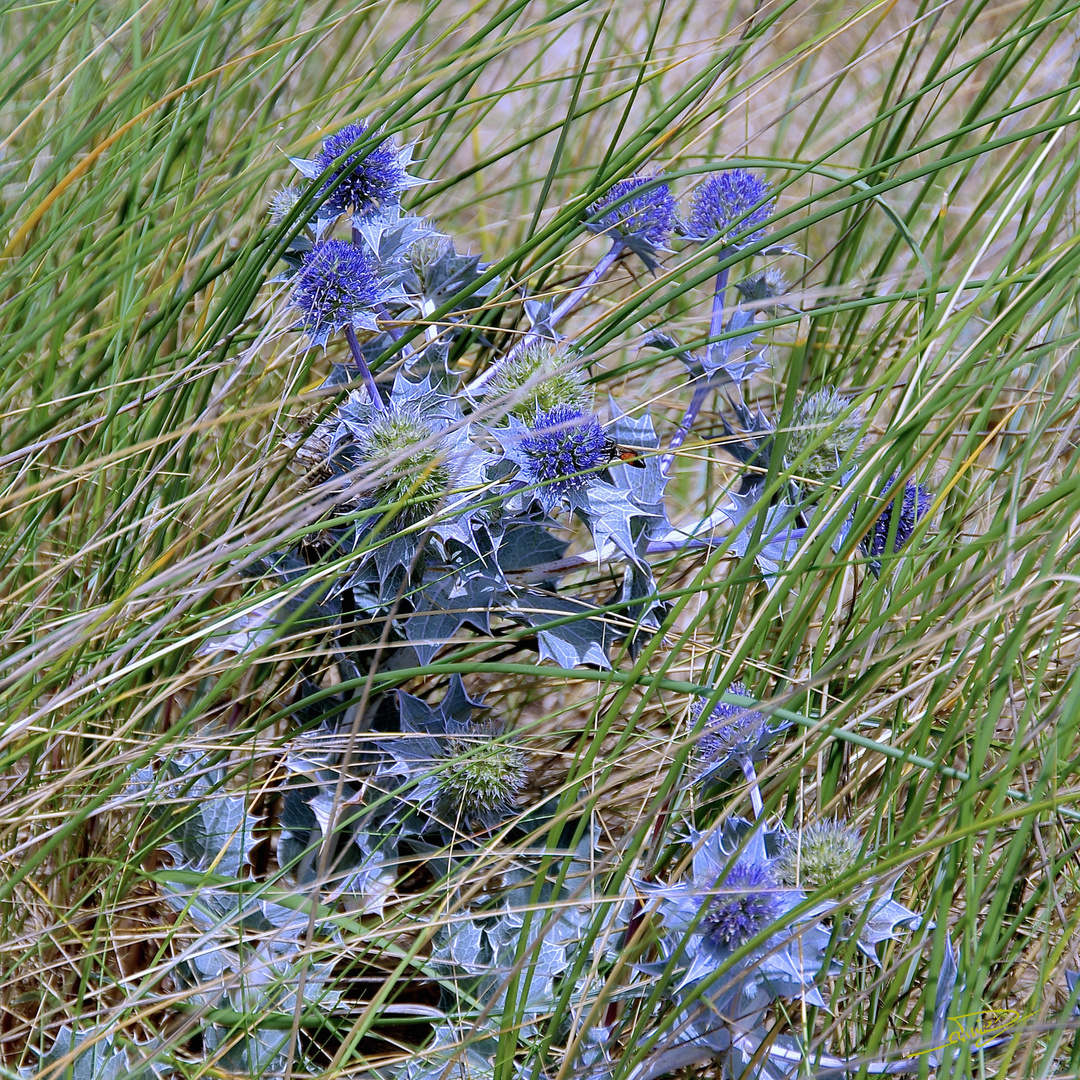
731,734
732,897
366,181
637,211
337,286
562,449
914,505
747,902
724,207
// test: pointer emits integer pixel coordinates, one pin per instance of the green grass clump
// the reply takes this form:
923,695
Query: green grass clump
166,585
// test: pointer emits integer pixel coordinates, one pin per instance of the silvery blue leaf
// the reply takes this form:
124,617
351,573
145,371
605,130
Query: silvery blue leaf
101,1060
526,546
609,513
586,640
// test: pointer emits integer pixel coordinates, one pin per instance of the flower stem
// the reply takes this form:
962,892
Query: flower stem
701,391
755,792
716,323
365,371
565,307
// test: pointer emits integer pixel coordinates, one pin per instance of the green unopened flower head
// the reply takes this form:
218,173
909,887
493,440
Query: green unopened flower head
762,287
427,252
819,421
408,447
480,780
818,854
540,379
282,202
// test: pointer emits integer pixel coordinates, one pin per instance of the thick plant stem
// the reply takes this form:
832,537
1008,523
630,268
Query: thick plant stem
755,792
570,303
701,391
716,323
365,371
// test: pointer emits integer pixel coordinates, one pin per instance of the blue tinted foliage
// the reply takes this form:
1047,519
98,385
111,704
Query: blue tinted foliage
441,513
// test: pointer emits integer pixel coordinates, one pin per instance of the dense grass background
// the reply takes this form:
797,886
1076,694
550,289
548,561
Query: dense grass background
925,156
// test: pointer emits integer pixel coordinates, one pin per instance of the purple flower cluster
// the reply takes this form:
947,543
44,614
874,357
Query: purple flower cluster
635,209
563,447
733,205
745,905
365,180
914,505
729,729
337,287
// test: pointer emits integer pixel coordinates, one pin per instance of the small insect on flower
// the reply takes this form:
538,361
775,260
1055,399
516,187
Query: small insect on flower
562,450
726,206
625,454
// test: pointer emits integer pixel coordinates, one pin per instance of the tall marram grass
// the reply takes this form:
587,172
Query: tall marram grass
925,159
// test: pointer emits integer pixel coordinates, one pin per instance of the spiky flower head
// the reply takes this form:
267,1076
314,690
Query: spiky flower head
282,202
562,450
481,777
367,181
337,286
818,854
763,286
540,378
632,208
638,212
731,734
914,505
463,775
416,450
427,252
412,458
823,424
746,904
726,206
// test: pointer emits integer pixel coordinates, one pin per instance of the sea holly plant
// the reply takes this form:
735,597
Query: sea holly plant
449,483
443,506
449,774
